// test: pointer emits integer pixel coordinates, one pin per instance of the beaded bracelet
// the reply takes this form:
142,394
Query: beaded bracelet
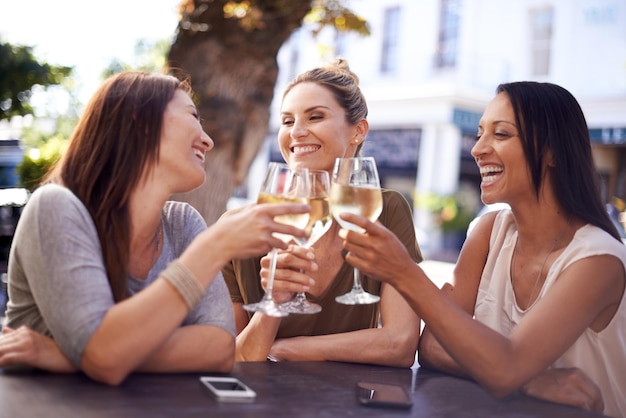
184,282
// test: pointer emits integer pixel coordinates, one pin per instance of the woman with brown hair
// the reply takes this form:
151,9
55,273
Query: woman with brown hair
105,274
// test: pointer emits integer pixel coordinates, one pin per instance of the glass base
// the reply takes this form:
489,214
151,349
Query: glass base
266,307
297,306
357,298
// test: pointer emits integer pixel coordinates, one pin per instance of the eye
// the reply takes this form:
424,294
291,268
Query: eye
287,121
316,117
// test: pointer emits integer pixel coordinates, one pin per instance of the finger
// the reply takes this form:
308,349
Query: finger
292,263
290,277
302,252
288,230
6,330
594,395
357,220
277,209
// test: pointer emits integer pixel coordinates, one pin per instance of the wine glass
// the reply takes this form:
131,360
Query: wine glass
281,185
356,189
319,222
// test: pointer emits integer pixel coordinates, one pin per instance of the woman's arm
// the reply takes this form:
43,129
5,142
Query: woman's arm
392,344
500,364
25,347
135,329
193,348
463,291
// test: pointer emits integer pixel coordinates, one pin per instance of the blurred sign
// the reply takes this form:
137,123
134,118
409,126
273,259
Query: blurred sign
608,135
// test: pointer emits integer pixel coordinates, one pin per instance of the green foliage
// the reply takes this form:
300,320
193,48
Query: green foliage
39,161
452,213
323,13
19,72
149,56
333,13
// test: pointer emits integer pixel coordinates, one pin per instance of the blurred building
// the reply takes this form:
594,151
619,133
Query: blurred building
430,67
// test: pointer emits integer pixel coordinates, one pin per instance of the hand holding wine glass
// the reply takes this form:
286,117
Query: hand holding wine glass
281,185
319,223
356,189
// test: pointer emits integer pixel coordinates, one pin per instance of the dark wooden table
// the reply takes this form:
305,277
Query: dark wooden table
287,389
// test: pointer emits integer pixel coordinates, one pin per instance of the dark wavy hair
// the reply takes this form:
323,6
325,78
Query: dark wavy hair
550,121
115,141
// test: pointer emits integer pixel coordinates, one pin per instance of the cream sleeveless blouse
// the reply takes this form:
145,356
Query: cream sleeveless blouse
601,355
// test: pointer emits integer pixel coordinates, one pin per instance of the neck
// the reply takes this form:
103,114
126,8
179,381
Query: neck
145,218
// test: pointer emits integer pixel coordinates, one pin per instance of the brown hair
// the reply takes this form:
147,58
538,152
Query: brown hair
344,85
115,141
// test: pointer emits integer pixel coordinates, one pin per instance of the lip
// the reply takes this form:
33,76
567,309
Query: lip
200,153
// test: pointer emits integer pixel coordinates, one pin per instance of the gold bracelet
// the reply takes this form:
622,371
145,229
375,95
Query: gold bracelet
184,282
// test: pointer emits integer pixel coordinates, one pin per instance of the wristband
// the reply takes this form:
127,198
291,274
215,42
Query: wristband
184,282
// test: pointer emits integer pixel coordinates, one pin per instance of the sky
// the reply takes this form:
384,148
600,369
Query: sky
86,34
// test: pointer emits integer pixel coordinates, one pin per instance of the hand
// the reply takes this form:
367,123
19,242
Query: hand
291,276
249,231
26,347
377,252
569,386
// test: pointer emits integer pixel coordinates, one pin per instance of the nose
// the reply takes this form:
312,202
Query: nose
479,148
207,141
298,129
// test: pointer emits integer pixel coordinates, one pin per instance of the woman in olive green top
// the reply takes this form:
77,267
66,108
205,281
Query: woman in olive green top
323,116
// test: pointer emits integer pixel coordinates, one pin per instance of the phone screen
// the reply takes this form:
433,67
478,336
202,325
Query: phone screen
227,385
380,394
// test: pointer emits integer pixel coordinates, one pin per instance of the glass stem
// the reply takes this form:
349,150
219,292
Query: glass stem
356,286
270,283
300,298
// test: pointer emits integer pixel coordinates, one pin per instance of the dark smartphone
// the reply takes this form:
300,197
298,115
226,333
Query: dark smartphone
383,395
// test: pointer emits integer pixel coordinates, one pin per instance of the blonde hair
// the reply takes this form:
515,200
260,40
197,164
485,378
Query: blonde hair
342,82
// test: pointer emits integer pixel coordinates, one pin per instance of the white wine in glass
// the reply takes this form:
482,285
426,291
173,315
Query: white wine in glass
319,222
281,185
356,189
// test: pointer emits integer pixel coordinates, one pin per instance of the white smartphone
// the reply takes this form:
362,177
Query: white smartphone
228,389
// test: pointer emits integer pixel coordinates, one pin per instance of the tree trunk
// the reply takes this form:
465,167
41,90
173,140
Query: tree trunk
232,66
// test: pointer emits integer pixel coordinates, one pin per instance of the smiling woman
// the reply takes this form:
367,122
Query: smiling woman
324,117
106,274
537,300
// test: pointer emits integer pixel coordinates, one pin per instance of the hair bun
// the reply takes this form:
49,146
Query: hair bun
340,65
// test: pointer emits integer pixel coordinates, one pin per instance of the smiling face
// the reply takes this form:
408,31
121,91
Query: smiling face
499,155
314,130
183,145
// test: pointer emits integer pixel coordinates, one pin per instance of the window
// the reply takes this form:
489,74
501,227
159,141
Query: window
541,22
391,40
449,27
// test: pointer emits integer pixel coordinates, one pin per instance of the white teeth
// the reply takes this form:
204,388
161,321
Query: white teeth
490,169
199,154
305,148
488,172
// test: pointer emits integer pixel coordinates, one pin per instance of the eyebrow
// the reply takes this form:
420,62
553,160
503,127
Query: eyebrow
307,110
496,122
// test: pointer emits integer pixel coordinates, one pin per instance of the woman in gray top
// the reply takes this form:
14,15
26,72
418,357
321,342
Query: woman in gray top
106,275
